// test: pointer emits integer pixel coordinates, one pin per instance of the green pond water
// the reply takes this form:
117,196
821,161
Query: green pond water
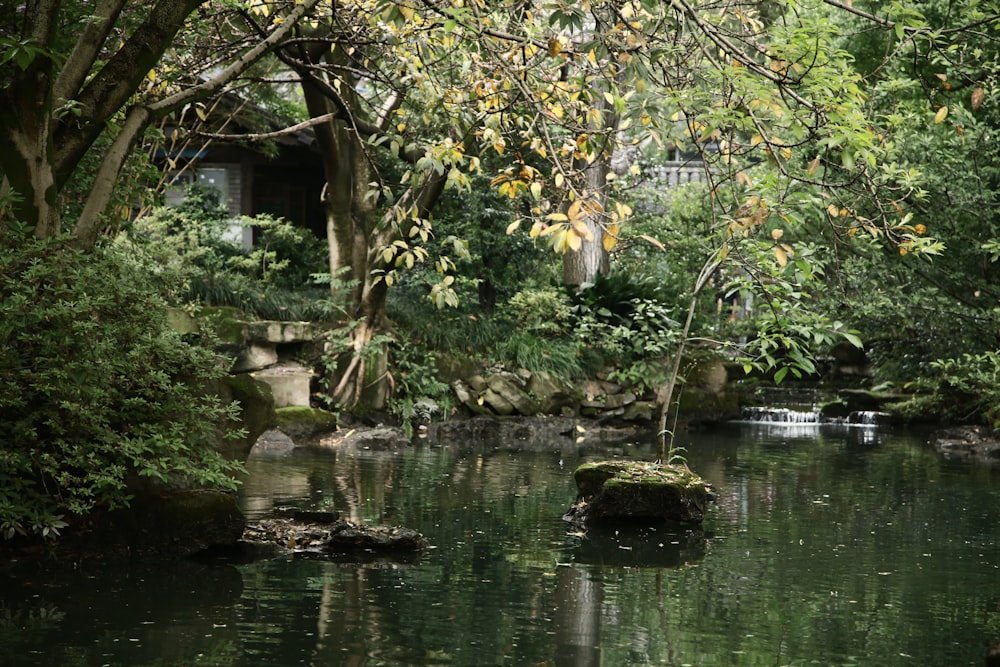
828,545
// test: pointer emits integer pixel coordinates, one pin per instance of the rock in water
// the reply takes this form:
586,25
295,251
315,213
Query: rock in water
313,533
638,490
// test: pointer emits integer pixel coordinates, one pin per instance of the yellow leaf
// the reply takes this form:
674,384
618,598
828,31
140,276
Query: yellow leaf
779,253
609,241
574,209
941,114
512,227
813,166
559,180
655,242
581,429
536,190
978,95
777,233
592,58
786,153
833,210
581,229
536,229
573,240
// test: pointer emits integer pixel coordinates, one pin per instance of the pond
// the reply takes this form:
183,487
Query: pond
829,545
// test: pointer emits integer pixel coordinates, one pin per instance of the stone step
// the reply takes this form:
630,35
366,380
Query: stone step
290,384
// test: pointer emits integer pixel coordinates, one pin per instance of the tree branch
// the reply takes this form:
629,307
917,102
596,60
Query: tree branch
270,135
80,62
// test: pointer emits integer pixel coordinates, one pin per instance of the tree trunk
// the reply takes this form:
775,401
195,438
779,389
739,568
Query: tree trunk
581,267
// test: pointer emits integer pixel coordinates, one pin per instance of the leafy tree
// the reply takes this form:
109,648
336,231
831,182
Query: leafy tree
97,390
937,97
77,77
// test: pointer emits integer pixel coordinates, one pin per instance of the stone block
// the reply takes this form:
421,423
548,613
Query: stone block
255,357
273,331
553,394
639,411
467,398
290,384
507,386
615,401
498,403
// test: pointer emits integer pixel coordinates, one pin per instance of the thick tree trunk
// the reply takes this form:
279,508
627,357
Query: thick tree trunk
581,267
54,110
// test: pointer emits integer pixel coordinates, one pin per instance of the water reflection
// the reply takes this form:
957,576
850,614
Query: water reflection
836,545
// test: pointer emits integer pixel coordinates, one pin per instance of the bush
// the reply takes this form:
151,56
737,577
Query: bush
194,248
545,312
626,321
561,356
961,390
96,389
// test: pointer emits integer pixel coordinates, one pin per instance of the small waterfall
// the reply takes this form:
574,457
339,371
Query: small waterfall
780,415
869,418
811,415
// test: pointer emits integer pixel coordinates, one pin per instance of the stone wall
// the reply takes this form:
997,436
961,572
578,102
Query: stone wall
707,396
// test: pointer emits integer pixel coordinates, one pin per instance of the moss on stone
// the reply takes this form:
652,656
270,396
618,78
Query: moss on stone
300,415
638,489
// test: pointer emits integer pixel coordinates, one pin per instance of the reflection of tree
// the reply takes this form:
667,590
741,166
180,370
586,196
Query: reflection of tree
577,618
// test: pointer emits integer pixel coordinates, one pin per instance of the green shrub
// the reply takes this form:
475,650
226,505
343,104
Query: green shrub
561,356
626,321
459,329
542,311
420,396
95,387
961,390
194,249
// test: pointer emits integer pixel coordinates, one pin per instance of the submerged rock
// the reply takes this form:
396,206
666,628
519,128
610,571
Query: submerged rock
968,443
612,490
334,538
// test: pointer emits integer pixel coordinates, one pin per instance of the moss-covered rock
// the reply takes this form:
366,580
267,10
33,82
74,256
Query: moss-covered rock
304,422
639,490
256,414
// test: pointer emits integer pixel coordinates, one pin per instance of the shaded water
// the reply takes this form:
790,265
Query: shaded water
829,545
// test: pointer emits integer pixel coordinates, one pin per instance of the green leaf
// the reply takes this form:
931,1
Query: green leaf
853,340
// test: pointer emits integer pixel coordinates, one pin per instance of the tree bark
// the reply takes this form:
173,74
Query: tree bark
581,267
50,119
